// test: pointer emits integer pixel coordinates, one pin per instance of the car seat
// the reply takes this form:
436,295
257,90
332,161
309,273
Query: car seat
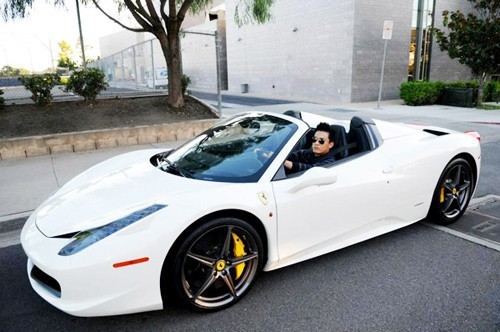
357,134
295,114
340,149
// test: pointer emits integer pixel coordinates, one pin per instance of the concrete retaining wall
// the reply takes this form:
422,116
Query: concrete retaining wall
100,139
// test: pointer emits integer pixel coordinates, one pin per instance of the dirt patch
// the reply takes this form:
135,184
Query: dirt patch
73,116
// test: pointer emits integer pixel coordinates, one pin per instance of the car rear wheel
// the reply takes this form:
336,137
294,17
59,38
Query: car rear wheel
217,264
453,193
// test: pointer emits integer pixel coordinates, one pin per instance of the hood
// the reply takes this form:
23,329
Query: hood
111,190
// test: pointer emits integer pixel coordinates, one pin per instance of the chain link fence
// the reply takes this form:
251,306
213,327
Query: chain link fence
141,68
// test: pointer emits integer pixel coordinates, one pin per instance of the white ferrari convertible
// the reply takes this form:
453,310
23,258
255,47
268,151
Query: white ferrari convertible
197,224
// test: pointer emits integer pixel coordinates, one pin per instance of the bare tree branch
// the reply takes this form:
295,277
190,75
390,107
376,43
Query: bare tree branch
184,8
116,21
143,21
162,10
172,12
152,11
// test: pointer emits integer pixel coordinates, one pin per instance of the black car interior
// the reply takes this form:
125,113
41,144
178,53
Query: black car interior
361,137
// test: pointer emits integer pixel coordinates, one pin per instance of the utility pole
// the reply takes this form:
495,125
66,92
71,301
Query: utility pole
386,36
81,35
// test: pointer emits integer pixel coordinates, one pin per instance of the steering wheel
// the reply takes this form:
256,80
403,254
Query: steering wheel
262,154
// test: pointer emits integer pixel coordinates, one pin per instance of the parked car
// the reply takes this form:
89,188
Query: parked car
157,79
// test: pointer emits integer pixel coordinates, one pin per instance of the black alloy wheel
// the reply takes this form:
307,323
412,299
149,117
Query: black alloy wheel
453,192
217,264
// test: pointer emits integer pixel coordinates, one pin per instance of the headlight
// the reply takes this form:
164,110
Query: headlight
87,238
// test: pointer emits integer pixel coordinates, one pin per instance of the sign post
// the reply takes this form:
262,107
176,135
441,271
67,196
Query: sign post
386,35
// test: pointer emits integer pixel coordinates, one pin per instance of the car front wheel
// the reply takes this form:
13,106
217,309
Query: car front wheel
217,264
453,193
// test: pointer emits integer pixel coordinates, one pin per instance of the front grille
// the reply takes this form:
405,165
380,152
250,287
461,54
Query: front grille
43,278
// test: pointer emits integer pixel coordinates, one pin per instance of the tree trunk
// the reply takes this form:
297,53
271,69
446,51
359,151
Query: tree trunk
482,79
171,42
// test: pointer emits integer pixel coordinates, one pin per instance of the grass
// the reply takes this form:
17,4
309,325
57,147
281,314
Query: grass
489,107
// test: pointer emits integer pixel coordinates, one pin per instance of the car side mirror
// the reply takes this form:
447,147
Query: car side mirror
316,176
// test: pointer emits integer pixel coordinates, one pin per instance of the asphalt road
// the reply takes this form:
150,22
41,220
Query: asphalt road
417,278
413,279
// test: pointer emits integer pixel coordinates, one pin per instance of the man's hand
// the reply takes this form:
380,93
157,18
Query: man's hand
288,164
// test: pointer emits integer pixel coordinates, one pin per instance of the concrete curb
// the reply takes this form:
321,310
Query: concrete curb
13,222
100,139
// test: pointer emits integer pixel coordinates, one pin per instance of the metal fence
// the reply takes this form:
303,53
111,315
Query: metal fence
142,67
139,67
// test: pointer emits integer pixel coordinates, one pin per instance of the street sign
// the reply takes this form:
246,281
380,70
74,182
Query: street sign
387,33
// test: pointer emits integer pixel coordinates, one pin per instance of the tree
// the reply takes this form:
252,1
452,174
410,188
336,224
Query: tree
8,71
163,19
66,56
473,40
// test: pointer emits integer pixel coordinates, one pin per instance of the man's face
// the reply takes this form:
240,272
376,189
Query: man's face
322,144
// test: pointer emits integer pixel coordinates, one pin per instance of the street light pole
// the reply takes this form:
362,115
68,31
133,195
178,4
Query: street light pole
81,34
217,61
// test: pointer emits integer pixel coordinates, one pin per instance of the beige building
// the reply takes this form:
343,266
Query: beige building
315,50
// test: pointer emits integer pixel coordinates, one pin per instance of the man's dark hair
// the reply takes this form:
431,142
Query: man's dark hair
323,126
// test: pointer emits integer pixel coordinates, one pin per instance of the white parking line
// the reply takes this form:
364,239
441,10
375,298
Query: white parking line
473,239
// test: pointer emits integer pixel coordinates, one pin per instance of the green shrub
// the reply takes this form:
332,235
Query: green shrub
87,83
185,81
463,84
2,100
421,93
492,91
40,87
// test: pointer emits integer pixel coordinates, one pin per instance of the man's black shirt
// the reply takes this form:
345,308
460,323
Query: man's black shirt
304,159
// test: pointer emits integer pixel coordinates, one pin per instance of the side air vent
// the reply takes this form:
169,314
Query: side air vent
435,132
47,281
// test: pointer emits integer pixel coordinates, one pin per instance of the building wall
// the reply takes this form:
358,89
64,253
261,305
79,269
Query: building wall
443,68
199,58
120,41
314,50
304,52
368,48
335,54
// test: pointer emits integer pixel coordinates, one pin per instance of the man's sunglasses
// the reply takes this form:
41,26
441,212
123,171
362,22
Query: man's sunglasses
319,140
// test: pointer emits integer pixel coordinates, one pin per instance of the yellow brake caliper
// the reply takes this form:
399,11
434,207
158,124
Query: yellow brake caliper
238,251
441,197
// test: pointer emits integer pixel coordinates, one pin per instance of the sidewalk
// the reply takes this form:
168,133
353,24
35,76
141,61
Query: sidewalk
27,182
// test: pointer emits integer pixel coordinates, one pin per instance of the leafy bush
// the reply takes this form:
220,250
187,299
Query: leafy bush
421,93
185,82
40,87
492,91
87,83
2,100
463,84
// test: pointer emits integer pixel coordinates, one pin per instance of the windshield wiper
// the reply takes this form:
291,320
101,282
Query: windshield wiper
174,169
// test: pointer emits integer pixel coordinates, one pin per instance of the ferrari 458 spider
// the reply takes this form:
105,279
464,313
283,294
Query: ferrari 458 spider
198,223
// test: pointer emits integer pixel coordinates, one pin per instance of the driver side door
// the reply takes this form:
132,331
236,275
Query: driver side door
325,209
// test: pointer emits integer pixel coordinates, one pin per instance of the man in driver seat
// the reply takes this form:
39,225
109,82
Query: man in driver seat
318,155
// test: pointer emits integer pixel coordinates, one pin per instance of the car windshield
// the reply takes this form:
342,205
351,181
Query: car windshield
238,150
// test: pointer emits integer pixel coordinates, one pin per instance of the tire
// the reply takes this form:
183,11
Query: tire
217,264
453,193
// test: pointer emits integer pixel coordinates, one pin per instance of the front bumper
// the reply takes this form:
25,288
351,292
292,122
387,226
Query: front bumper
87,283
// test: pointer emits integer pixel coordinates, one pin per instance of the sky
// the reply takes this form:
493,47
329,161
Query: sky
32,43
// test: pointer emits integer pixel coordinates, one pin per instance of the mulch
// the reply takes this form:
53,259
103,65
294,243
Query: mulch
73,116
